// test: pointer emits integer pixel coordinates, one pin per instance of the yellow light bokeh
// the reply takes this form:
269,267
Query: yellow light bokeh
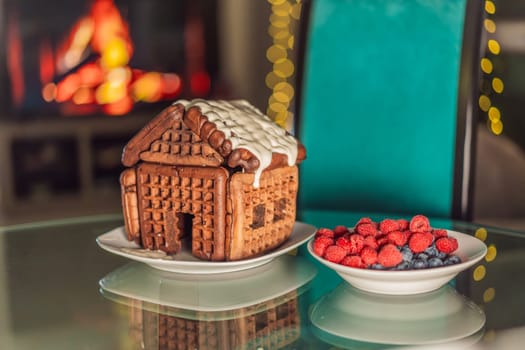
490,25
481,234
497,85
484,103
494,114
479,273
278,107
489,294
272,31
283,68
291,42
282,97
282,9
490,7
492,252
285,87
295,11
272,79
496,127
276,18
283,23
275,53
493,46
486,65
276,2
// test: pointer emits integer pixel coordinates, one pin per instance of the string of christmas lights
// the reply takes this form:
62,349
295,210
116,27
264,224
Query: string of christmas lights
283,20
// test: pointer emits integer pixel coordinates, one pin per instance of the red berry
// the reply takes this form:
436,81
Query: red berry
389,256
352,244
324,232
419,223
447,244
437,232
370,241
367,229
364,220
403,224
334,254
321,243
353,261
382,240
388,225
398,238
419,241
368,255
340,230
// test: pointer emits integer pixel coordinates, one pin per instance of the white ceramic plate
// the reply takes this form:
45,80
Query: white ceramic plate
348,315
208,293
471,250
115,242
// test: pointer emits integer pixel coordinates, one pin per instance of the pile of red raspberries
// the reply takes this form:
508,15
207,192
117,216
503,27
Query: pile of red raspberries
392,244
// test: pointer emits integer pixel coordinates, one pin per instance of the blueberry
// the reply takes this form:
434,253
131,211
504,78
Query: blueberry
407,254
404,265
420,264
452,259
435,262
433,252
422,256
377,267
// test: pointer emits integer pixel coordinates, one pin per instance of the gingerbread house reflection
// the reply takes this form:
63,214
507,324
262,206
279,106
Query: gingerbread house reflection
273,324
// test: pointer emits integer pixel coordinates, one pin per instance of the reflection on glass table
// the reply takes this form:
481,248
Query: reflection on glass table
251,309
349,317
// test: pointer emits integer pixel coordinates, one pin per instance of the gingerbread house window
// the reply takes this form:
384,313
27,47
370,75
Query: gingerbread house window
259,212
279,212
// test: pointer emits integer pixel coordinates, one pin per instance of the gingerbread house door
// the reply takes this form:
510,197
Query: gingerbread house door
182,204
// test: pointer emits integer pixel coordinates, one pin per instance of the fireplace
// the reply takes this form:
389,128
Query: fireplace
79,78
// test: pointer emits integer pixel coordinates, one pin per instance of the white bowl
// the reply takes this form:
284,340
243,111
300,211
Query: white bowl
406,282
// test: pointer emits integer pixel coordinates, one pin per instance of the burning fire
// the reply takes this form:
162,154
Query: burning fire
94,71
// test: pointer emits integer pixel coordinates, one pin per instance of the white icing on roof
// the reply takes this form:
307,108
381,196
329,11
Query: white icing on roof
246,127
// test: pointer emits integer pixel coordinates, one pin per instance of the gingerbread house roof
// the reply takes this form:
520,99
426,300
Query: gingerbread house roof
214,133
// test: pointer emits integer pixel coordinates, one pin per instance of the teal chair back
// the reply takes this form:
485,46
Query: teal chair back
386,107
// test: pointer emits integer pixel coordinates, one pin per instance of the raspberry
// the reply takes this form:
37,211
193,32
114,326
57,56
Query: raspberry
419,223
352,244
368,255
389,256
370,241
447,244
403,224
334,254
367,229
419,241
340,230
382,240
321,243
388,225
364,220
353,261
398,238
324,232
439,232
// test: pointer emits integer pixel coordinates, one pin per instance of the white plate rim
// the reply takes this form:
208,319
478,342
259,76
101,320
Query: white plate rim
114,241
478,252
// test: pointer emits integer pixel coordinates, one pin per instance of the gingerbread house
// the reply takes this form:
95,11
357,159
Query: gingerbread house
219,176
273,324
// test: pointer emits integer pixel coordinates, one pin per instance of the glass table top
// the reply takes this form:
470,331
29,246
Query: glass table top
60,290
